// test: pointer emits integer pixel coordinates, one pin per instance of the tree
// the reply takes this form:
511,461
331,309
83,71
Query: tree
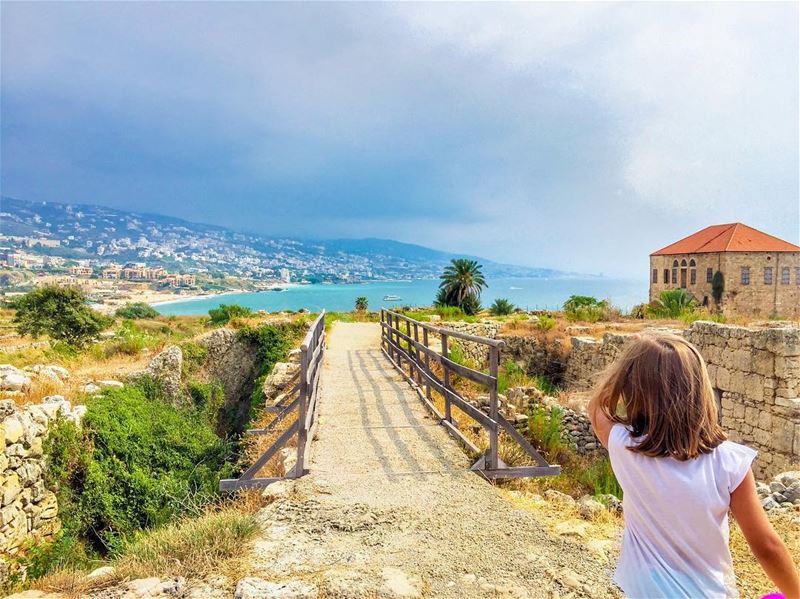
461,285
225,312
501,307
717,287
61,313
362,304
137,310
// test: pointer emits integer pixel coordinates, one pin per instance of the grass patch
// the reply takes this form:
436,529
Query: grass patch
212,544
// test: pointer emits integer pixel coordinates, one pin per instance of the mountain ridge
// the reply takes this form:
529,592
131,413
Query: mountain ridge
96,232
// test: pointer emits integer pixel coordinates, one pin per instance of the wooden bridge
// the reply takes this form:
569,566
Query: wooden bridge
371,423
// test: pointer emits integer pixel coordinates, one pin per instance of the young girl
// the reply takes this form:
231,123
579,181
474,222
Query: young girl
655,412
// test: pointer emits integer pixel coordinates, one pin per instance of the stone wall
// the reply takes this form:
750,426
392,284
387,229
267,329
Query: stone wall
29,509
589,357
474,352
537,356
755,372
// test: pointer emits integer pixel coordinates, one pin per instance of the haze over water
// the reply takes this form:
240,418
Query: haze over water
525,293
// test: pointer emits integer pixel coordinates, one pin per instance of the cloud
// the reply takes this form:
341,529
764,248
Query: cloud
575,135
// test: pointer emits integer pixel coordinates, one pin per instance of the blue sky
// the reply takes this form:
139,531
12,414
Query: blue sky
571,135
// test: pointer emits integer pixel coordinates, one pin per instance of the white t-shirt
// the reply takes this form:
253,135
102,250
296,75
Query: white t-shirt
675,542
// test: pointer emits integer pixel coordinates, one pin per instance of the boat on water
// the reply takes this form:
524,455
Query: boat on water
391,298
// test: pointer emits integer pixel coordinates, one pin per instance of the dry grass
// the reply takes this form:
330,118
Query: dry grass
214,544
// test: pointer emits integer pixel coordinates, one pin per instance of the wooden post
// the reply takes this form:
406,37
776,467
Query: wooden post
494,360
448,413
417,353
301,411
427,362
410,359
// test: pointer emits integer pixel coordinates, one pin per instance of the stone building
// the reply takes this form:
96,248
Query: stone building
761,273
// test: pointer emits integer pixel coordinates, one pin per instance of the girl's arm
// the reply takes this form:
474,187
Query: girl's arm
765,543
600,422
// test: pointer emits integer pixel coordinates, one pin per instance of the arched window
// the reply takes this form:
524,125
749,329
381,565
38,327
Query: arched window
675,264
683,262
692,276
692,263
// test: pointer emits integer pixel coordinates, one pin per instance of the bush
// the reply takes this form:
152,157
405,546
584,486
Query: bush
226,312
194,356
586,308
61,313
545,322
273,343
137,310
501,307
639,311
129,340
717,287
136,463
672,303
544,428
600,476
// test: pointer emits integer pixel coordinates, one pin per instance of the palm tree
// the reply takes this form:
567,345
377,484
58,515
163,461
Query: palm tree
501,307
362,304
461,279
672,303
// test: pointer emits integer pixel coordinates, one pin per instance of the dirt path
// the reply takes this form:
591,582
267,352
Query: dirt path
390,510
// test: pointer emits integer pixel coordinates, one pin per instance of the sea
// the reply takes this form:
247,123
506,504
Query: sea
530,294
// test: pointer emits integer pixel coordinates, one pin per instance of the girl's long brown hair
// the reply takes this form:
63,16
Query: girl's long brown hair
667,397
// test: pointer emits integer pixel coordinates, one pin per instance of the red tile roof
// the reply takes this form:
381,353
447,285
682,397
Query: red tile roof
733,237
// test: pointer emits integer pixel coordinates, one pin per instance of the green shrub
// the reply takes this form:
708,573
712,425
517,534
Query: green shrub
672,303
501,307
449,312
224,313
208,399
61,313
136,463
130,340
511,375
362,304
545,385
137,310
273,342
717,286
586,308
194,356
545,322
600,476
544,429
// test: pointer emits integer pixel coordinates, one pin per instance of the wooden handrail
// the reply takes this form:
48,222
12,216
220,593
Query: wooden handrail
312,350
404,346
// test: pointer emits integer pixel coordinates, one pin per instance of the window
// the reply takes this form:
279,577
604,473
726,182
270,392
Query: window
797,275
666,276
692,263
655,275
683,262
709,275
785,275
693,277
745,275
674,276
767,275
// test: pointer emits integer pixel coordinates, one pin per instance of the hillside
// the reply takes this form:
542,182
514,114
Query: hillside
98,233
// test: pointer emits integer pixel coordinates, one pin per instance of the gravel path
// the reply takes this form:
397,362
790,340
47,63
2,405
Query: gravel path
390,510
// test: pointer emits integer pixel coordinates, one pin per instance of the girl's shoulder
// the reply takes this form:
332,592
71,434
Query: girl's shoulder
732,462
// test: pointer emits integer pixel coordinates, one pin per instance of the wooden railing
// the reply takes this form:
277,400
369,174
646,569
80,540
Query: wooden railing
300,400
408,345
